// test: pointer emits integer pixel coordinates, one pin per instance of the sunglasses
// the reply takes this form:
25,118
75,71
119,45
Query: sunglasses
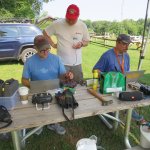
124,44
44,51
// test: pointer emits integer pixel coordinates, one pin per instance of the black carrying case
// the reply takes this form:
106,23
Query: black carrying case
131,96
8,87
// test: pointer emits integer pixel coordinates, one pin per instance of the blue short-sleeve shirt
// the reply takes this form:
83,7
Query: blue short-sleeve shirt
108,62
36,68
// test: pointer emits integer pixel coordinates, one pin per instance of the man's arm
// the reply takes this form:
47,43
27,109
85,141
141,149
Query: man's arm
49,39
25,82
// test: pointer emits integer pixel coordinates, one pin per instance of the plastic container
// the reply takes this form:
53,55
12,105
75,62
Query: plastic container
145,137
10,102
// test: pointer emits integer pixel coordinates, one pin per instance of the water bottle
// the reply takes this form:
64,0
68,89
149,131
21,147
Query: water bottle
95,80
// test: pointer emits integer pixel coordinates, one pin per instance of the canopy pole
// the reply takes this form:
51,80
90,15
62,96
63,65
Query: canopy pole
142,45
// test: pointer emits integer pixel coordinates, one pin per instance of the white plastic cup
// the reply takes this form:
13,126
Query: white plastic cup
23,92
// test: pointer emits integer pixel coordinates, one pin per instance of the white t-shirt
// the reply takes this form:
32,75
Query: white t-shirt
67,35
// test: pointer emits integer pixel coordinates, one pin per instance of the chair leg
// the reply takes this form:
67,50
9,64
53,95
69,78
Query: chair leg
105,121
116,119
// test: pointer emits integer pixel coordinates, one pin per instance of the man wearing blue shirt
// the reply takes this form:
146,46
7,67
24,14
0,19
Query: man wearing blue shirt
117,59
44,66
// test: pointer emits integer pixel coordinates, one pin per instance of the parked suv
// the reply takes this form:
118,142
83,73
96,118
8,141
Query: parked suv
17,40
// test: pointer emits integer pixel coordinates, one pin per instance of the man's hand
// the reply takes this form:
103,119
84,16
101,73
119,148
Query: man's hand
25,82
77,45
69,75
80,44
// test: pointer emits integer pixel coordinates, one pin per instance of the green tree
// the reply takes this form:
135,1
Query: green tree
130,26
88,23
7,14
115,27
21,8
127,26
140,23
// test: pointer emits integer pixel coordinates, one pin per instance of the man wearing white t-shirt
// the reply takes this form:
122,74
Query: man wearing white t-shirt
72,34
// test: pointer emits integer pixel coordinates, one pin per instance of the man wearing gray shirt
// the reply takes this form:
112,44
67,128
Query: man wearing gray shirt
72,34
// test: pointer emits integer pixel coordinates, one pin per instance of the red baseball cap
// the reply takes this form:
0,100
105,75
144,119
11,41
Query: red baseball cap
72,12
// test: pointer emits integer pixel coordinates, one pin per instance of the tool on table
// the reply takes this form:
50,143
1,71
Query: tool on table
104,101
145,89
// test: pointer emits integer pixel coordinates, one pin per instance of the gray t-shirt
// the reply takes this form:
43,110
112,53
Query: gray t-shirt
67,35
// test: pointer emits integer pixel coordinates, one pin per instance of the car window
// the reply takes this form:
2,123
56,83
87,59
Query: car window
29,31
8,31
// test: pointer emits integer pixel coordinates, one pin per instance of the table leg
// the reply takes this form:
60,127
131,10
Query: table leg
127,128
23,135
116,123
16,140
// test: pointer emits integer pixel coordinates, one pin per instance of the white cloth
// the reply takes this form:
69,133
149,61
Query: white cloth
67,35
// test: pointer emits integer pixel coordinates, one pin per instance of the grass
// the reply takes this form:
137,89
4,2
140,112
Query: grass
85,127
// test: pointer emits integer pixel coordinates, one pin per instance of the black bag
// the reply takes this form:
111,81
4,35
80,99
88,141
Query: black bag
66,100
5,117
141,87
145,89
131,96
1,87
9,87
41,98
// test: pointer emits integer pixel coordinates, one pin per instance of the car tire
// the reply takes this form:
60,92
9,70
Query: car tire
26,53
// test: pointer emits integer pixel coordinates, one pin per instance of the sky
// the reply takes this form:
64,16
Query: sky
93,10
